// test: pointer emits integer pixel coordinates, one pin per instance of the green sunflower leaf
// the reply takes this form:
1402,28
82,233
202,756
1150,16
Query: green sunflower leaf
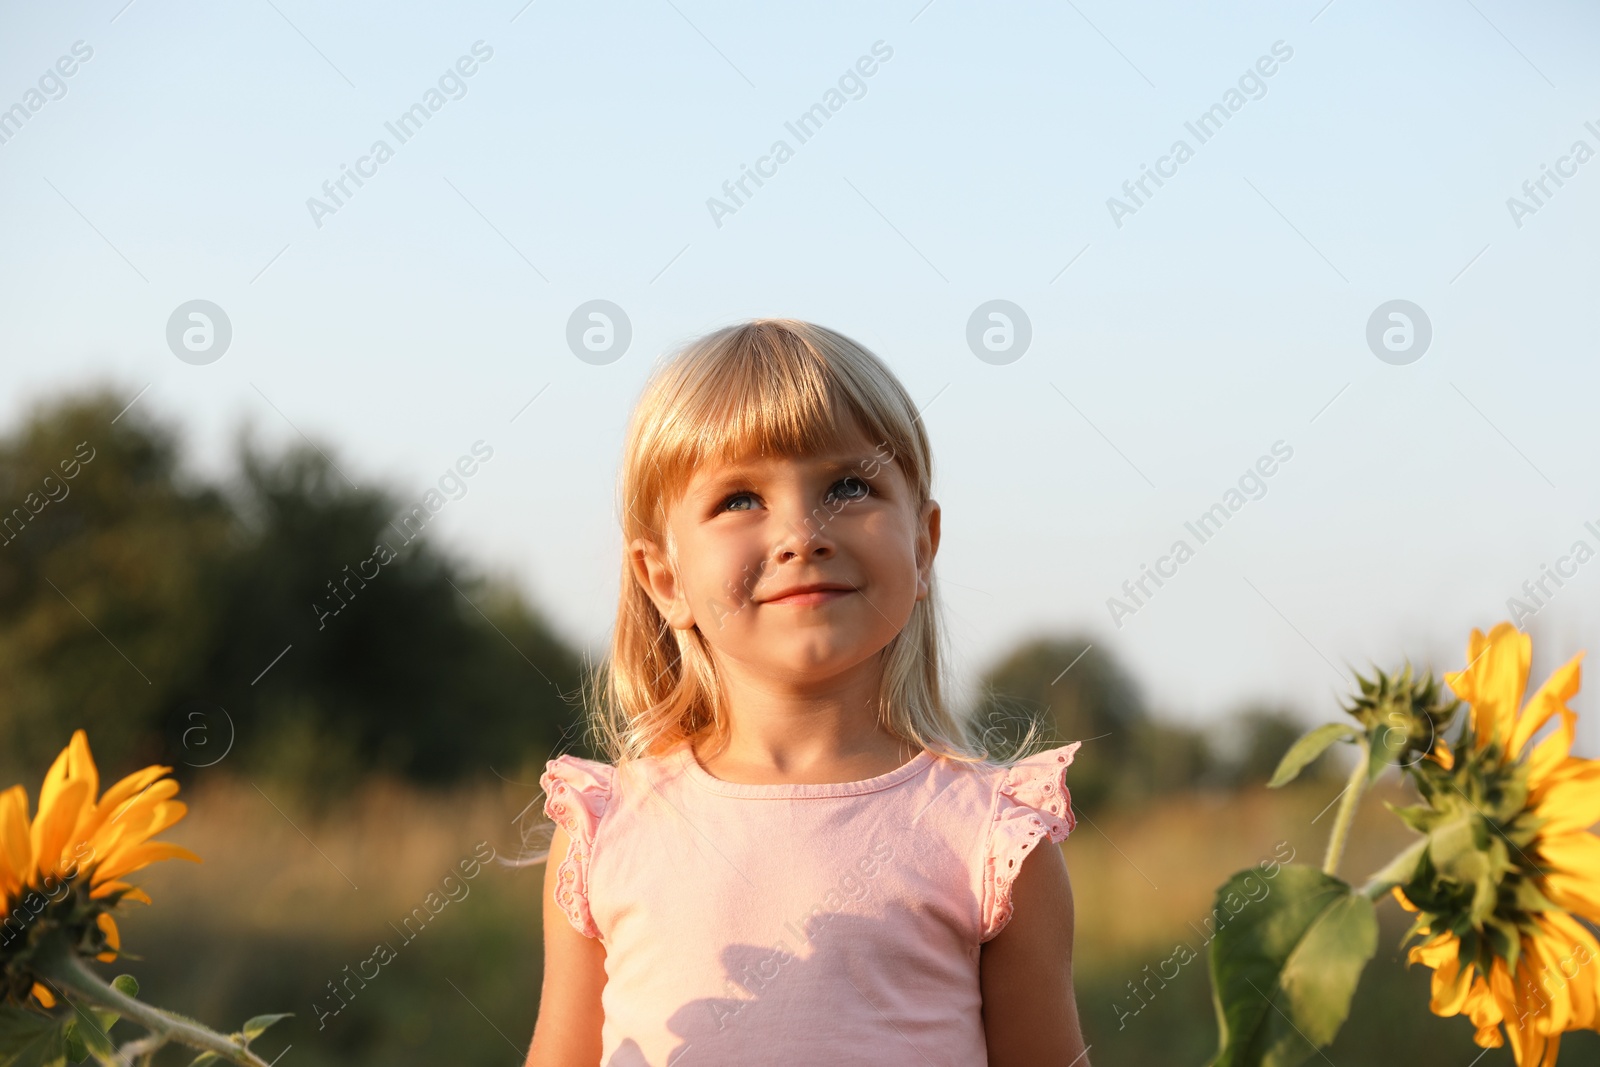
1286,963
77,1049
258,1025
1419,817
31,1039
1529,898
1308,748
1385,745
85,1036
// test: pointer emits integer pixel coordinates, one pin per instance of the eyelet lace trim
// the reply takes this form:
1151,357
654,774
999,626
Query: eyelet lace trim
1034,803
576,793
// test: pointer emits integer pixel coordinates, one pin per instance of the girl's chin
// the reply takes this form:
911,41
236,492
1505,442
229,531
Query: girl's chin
813,665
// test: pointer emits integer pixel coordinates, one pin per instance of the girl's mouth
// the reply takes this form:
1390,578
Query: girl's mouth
811,597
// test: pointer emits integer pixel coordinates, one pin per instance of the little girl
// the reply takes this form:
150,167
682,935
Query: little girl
800,856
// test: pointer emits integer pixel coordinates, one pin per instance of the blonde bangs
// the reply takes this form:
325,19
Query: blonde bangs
772,387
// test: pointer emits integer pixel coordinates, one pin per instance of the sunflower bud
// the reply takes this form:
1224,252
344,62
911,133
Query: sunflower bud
1405,717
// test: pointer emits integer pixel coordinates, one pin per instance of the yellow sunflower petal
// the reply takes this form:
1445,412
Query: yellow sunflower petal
43,995
59,811
1576,895
1576,855
1533,1049
1575,953
132,859
1528,1017
73,765
1552,697
130,816
16,848
1502,995
1557,772
1404,901
142,823
1569,799
147,816
1452,984
1435,950
1482,1007
82,762
1543,1002
133,892
131,786
1493,681
110,844
108,926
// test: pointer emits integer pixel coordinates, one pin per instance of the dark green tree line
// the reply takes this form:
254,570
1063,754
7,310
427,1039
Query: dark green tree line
144,604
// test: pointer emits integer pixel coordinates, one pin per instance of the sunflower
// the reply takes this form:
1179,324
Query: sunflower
1509,869
64,869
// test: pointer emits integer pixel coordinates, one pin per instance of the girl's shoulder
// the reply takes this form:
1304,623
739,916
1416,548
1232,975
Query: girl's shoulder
578,791
1037,784
1037,781
1030,802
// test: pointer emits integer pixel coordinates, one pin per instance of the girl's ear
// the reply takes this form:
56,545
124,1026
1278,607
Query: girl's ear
656,577
927,545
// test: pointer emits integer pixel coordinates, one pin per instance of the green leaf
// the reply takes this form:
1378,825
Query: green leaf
1529,898
1308,748
85,1036
257,1026
1420,817
1381,748
96,1028
77,1051
205,1059
31,1039
1285,965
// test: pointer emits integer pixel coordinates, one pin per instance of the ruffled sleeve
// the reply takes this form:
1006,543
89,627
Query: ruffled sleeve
1032,802
576,792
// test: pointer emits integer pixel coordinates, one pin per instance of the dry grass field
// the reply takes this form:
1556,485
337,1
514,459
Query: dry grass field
289,904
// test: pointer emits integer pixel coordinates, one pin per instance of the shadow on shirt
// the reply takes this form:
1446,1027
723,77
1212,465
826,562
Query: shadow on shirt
839,953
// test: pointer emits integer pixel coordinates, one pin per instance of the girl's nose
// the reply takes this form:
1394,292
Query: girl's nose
805,539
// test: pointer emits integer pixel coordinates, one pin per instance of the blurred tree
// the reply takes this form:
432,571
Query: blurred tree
1076,691
1255,738
393,657
102,608
290,623
1167,756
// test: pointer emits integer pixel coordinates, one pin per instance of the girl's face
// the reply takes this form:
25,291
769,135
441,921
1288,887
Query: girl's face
749,535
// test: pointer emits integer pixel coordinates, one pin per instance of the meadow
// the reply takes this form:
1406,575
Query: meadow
289,902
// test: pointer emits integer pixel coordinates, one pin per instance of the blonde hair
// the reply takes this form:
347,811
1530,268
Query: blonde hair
775,387
779,387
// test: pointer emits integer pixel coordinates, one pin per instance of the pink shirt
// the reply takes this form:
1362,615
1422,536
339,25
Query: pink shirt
797,924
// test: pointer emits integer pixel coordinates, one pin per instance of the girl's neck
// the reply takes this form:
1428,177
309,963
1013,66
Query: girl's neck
802,731
823,745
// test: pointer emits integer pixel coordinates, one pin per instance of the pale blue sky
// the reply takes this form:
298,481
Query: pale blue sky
1227,314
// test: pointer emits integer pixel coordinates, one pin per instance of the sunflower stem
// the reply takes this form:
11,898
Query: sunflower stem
56,961
1347,811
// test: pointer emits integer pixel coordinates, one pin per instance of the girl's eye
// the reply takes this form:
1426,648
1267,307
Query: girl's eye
855,489
864,489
